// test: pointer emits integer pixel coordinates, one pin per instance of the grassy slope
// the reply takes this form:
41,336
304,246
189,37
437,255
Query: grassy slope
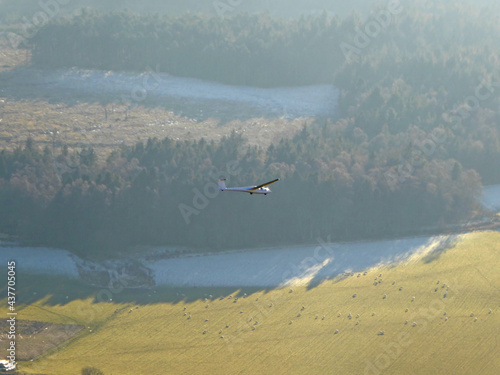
157,338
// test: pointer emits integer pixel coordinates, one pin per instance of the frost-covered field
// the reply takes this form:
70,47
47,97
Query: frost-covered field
284,266
491,197
38,260
209,99
260,268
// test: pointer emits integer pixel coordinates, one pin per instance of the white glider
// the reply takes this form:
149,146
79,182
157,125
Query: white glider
259,189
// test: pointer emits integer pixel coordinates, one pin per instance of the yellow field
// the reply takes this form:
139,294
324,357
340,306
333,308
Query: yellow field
262,333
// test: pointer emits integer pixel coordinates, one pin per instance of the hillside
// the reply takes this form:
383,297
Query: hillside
162,331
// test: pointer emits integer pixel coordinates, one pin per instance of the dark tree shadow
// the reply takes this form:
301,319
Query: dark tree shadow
440,249
61,290
322,263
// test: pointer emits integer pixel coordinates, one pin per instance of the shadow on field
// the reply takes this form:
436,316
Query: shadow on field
440,249
60,290
235,273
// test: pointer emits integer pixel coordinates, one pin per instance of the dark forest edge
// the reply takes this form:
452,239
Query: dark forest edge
164,193
444,82
418,136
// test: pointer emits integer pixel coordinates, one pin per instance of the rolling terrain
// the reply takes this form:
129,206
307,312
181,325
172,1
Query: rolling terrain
452,296
399,147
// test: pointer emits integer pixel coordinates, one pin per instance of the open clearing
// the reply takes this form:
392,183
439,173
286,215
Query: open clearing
36,338
86,125
448,293
82,108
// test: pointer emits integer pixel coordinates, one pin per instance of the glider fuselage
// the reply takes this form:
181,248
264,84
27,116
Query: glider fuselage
258,189
250,190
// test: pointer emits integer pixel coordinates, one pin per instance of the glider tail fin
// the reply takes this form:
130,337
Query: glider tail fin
222,184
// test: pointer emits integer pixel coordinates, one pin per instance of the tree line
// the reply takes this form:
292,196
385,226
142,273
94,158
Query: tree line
243,49
162,192
428,76
416,136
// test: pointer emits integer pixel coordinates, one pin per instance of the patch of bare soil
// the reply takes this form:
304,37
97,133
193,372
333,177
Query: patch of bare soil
35,338
55,116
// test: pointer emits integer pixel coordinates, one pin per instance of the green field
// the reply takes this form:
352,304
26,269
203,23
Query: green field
162,331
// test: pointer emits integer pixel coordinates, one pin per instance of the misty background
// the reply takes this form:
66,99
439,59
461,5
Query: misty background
405,149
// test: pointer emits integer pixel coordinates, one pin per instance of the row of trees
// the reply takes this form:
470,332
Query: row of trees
164,192
446,50
413,71
436,70
245,49
15,10
417,132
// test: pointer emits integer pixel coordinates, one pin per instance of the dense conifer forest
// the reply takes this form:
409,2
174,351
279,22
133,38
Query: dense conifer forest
416,136
335,184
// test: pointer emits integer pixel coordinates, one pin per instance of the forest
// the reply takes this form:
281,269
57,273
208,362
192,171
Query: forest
259,50
254,50
416,136
15,10
334,185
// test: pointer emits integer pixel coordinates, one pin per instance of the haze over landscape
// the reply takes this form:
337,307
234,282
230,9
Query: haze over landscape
377,252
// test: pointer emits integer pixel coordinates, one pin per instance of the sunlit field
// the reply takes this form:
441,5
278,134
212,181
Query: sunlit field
378,251
435,313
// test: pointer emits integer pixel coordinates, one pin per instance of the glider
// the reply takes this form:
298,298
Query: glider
259,189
